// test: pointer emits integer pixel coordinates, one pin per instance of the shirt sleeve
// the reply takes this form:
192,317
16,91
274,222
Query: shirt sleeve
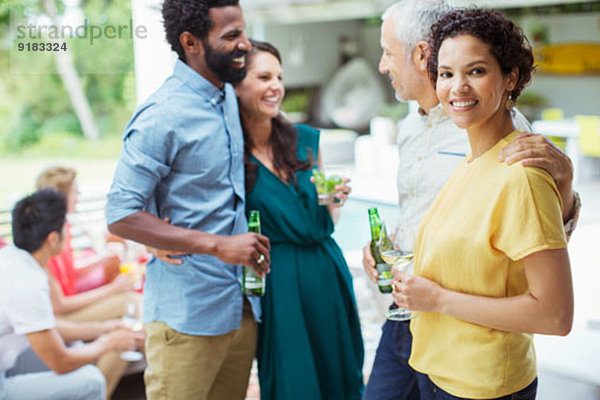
571,223
528,215
519,121
30,309
146,158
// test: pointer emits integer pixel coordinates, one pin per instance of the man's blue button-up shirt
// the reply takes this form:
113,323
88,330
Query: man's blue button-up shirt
182,158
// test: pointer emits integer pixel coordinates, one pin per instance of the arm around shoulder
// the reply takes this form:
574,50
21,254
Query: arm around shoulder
534,150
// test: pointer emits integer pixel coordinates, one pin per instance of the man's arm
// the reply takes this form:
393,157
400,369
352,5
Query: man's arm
145,161
534,150
51,349
150,230
86,331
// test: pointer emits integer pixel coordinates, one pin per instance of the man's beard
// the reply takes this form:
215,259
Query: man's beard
221,64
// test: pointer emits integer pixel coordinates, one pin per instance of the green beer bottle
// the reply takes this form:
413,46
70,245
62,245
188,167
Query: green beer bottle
252,284
384,280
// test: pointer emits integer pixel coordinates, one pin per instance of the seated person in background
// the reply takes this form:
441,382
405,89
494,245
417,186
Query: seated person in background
106,298
92,270
26,317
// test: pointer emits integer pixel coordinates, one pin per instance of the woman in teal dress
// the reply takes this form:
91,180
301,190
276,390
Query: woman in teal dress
310,344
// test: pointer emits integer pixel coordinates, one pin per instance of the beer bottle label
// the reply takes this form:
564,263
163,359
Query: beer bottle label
253,285
251,280
384,280
382,268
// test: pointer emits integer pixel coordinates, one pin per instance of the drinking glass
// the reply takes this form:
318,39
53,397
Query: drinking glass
326,186
134,271
132,319
400,260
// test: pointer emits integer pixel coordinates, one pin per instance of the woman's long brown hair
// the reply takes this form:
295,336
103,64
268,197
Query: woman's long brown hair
283,139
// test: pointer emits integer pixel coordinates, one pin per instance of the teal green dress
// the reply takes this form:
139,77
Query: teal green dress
310,344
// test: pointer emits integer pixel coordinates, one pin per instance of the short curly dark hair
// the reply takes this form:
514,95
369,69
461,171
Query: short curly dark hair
508,43
191,16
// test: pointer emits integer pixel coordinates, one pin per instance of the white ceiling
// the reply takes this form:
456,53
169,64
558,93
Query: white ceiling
511,3
298,11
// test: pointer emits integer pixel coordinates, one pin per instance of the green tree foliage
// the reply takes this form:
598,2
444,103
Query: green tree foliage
36,105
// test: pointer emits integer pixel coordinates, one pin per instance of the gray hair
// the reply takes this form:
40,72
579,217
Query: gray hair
413,19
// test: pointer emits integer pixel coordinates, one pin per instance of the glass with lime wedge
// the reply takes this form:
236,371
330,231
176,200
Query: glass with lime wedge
326,186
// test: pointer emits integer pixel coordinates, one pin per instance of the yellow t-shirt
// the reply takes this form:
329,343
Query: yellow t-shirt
487,217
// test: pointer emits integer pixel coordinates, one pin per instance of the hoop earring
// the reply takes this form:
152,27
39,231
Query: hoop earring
510,103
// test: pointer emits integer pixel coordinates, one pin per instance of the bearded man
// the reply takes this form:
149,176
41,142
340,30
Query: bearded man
182,159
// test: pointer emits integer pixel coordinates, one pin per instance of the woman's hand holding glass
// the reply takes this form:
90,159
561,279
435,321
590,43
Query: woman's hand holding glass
333,190
400,262
415,292
342,191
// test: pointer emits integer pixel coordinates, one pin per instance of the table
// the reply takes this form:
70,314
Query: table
564,128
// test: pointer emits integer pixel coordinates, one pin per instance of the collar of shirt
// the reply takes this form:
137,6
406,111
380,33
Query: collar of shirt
429,149
435,116
198,83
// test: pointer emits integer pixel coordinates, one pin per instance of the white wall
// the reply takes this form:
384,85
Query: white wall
316,45
574,94
154,59
310,51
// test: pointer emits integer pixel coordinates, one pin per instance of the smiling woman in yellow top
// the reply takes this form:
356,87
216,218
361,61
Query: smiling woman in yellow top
491,265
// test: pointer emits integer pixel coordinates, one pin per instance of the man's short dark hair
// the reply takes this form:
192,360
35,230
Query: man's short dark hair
191,16
36,216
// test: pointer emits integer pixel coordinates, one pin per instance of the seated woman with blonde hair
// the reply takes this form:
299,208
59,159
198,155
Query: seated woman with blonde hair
93,290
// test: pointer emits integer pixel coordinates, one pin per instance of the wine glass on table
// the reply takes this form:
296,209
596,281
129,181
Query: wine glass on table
134,271
400,260
132,319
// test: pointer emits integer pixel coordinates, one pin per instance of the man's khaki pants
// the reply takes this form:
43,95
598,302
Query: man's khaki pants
186,367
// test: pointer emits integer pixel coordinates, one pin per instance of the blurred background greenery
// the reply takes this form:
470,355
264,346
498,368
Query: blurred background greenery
36,111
